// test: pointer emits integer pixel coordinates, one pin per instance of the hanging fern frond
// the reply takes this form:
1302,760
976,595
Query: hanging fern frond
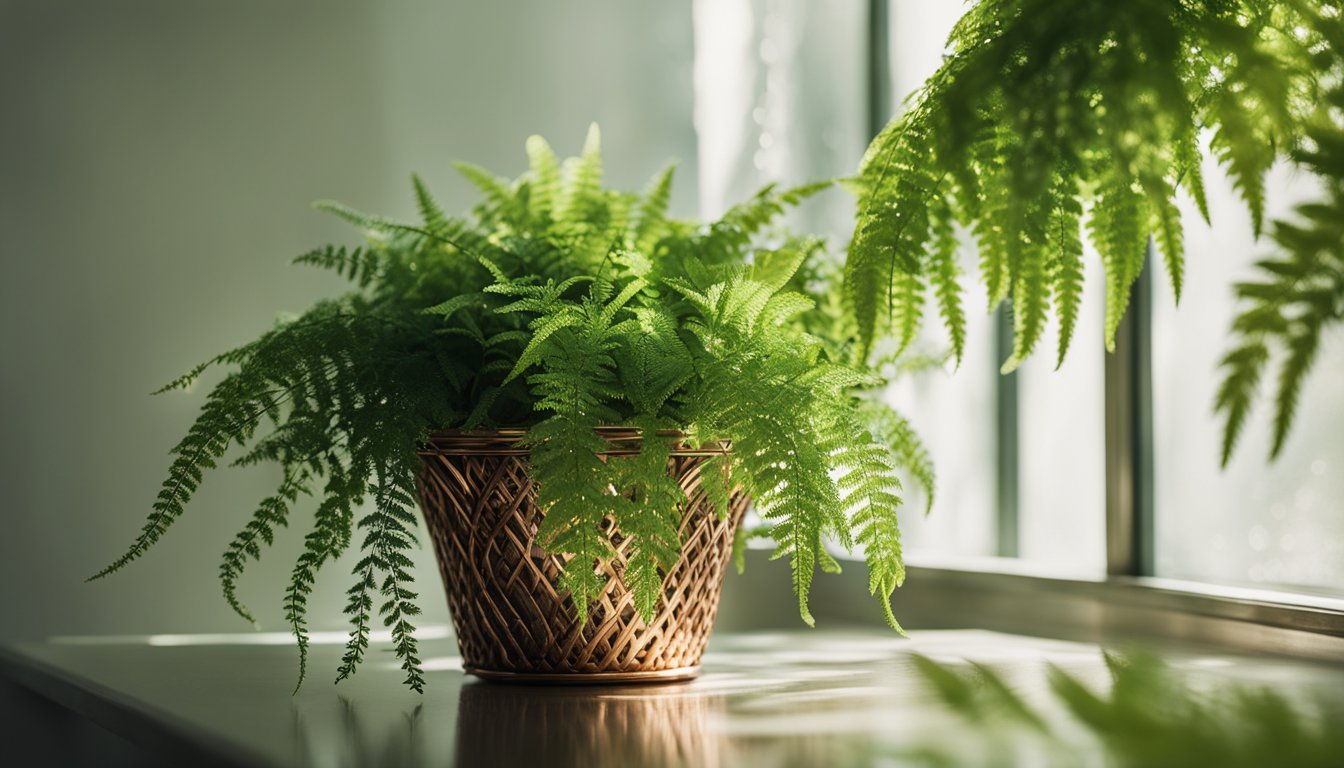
272,513
1065,268
359,265
1297,295
653,518
1039,114
333,522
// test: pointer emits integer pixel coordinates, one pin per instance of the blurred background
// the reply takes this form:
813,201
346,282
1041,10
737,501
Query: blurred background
157,161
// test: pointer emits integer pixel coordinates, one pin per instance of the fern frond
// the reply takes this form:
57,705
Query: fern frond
1118,231
1066,268
785,429
871,492
651,218
744,220
581,197
1165,225
545,177
1034,108
219,426
388,535
653,519
433,216
1297,294
332,528
456,304
1031,304
654,361
945,275
272,513
359,265
497,191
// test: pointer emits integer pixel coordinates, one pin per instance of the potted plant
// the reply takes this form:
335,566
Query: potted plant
583,393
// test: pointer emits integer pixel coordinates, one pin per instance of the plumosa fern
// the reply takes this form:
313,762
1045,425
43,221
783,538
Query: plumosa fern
558,305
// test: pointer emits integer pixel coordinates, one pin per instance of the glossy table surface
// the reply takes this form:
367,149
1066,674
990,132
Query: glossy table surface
765,699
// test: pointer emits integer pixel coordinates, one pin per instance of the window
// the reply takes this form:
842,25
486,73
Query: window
1025,461
1061,444
1278,525
1020,459
954,412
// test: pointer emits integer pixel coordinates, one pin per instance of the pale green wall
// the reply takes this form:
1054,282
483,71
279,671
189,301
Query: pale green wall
156,165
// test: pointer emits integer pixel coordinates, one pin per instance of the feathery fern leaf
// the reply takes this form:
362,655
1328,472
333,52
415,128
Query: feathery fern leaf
1299,293
1038,114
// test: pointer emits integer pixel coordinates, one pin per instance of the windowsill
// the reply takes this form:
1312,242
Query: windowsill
1008,595
1012,566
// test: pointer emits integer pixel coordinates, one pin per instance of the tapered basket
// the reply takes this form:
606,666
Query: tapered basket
480,506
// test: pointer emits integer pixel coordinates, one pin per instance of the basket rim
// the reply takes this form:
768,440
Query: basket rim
506,441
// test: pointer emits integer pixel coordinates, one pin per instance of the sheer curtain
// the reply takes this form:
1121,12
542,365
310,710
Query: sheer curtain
780,97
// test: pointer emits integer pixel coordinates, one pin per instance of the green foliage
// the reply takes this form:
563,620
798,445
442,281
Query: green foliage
1298,293
1044,119
1150,716
557,305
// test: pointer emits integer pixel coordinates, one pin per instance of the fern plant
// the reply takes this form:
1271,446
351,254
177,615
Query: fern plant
1048,120
557,305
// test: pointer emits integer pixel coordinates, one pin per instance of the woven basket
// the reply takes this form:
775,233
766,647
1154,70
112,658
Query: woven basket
511,623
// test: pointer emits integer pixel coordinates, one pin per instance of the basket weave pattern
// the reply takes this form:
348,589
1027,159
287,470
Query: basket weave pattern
479,502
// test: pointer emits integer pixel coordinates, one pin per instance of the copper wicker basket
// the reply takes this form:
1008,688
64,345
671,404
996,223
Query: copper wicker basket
511,623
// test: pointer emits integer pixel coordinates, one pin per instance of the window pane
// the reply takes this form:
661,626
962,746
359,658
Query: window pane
1280,525
1061,461
1062,442
953,411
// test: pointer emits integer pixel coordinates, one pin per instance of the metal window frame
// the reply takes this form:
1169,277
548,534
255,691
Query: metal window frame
1129,436
1006,593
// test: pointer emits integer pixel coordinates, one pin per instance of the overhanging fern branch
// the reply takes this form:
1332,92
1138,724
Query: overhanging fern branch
332,526
272,513
1040,114
1299,293
230,415
1294,298
388,535
789,432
